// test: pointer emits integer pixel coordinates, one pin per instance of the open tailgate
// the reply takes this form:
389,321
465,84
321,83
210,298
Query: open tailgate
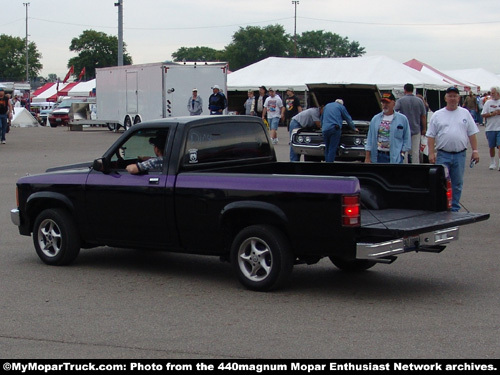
398,223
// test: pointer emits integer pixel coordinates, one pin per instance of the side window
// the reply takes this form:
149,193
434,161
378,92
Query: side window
225,142
140,147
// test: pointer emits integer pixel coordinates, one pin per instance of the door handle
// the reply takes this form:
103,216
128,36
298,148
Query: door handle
154,180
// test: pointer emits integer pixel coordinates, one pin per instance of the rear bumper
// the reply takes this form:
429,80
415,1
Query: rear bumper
15,216
430,241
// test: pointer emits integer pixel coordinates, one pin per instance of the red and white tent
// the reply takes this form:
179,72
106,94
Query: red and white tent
464,87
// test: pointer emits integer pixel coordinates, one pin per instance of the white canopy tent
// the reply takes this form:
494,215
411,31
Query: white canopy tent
83,88
281,73
479,76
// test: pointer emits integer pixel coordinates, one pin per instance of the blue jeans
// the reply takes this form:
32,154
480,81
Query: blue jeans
456,167
332,140
293,125
3,126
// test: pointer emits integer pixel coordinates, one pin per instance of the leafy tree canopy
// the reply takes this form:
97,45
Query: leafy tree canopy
13,59
198,54
254,43
95,50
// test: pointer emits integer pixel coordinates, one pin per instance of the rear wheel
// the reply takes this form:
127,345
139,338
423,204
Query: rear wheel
262,258
137,120
355,265
55,237
127,123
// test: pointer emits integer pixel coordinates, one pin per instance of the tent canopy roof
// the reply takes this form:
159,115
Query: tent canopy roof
450,81
281,73
479,77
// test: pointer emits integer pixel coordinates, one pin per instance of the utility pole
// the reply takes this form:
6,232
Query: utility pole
295,3
119,4
27,61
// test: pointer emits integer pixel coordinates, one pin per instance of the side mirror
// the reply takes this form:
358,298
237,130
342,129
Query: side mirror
101,165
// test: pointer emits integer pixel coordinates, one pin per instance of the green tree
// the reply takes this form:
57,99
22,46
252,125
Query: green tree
254,43
199,54
326,44
52,77
13,59
95,50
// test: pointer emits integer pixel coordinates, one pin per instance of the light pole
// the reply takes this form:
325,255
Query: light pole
119,4
27,61
295,3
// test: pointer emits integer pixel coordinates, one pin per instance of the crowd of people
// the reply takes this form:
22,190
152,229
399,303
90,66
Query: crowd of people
400,132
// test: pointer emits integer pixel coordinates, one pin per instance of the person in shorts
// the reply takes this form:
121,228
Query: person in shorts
491,113
275,111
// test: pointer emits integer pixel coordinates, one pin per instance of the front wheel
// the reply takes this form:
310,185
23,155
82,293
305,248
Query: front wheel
55,237
262,258
355,265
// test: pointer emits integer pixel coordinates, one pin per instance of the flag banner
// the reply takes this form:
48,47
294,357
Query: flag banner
82,73
70,72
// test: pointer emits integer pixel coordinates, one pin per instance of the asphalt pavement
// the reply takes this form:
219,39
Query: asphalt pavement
114,303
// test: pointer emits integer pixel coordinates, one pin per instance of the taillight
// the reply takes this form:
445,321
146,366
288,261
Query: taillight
449,193
351,215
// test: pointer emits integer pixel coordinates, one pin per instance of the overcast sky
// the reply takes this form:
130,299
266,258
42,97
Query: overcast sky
447,34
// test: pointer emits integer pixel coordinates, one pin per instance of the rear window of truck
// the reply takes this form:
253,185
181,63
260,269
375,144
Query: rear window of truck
225,142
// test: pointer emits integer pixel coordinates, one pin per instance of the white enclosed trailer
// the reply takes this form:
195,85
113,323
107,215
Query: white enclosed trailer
130,94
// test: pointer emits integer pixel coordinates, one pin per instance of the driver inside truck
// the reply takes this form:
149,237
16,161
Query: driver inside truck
154,163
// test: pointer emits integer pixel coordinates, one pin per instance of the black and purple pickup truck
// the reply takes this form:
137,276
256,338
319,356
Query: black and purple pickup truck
218,190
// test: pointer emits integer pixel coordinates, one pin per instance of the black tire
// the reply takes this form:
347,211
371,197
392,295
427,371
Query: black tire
55,237
137,120
111,126
261,258
355,265
127,122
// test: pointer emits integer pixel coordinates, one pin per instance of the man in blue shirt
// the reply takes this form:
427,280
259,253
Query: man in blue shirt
331,125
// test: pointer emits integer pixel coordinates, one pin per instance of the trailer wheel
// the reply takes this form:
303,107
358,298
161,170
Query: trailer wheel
137,120
127,123
111,126
55,237
355,265
261,257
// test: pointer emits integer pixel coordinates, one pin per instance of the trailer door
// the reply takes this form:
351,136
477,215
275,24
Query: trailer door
132,93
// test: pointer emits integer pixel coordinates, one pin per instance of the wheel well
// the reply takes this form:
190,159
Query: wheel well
39,205
234,222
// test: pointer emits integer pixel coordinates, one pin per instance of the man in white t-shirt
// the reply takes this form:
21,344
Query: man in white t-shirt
449,131
274,109
491,112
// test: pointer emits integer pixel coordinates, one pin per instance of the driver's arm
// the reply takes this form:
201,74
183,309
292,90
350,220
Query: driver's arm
133,168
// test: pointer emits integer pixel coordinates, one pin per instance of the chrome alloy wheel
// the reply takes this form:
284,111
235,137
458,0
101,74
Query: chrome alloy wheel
255,259
49,238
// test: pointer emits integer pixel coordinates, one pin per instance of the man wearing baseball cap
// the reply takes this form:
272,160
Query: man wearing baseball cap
450,130
389,134
217,101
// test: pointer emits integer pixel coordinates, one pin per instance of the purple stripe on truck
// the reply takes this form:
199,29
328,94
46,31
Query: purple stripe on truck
280,183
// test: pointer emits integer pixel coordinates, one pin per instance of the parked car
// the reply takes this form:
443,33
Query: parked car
362,103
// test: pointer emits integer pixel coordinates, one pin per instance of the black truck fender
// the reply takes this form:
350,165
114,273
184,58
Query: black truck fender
238,215
37,202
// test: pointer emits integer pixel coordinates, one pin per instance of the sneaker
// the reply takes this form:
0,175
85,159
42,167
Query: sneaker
493,166
3,142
